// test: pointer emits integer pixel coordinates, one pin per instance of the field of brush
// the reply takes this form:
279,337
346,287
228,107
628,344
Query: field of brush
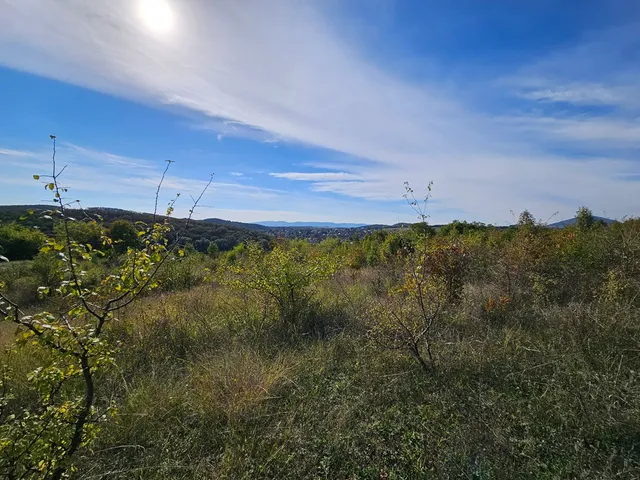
296,362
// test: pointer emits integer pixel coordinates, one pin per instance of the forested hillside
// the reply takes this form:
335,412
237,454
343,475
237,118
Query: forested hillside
225,235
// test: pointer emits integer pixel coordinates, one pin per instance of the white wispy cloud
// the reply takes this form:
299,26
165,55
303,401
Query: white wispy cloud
594,86
110,159
279,71
583,94
116,180
14,153
317,176
607,131
233,129
602,67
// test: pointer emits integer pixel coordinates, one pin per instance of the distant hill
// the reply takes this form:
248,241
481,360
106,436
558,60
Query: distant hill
572,221
380,226
311,224
225,234
249,226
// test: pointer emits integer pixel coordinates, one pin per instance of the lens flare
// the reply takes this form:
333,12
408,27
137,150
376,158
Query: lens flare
156,15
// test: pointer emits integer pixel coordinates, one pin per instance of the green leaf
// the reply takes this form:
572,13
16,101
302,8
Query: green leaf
51,186
36,177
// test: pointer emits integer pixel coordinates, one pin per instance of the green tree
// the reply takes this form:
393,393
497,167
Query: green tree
85,232
584,219
458,227
526,219
422,229
124,235
202,245
20,243
189,249
372,247
213,249
399,245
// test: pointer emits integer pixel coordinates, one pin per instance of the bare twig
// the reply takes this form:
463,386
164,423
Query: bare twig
155,208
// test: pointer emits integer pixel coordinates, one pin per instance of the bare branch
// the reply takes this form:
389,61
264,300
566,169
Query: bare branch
155,208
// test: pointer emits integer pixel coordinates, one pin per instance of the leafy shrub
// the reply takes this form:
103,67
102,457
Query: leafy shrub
20,243
235,253
25,290
85,232
20,282
183,273
46,267
286,277
213,249
124,235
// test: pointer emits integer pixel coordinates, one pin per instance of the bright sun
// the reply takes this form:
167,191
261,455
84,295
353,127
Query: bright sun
156,15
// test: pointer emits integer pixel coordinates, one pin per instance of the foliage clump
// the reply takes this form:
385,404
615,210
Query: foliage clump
19,243
285,276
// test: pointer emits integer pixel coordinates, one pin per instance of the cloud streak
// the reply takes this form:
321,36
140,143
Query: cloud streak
583,94
14,153
317,176
99,176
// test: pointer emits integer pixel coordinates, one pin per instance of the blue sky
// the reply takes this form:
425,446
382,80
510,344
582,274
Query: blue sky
320,110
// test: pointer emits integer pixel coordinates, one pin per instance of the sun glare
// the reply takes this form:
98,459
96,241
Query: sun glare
156,15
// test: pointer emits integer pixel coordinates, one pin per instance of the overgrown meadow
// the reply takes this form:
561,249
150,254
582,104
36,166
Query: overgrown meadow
470,352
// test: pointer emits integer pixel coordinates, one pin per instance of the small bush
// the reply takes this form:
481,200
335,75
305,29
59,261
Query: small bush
185,273
20,243
285,277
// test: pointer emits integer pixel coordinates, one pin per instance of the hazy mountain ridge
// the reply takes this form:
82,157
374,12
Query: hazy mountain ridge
274,228
311,224
572,221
